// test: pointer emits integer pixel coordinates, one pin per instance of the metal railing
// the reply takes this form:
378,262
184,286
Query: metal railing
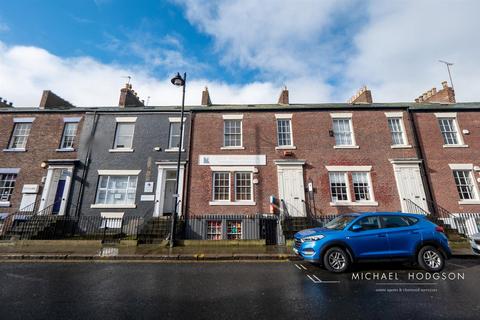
465,224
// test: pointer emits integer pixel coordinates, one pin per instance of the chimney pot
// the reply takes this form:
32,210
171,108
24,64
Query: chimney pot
284,96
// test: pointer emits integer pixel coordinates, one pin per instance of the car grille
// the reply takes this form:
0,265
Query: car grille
477,241
298,243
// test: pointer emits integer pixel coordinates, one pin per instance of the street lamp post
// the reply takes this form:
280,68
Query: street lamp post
180,82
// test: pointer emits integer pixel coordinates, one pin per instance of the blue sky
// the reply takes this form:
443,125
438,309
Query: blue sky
243,50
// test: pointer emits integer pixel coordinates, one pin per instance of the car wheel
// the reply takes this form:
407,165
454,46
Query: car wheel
431,259
336,260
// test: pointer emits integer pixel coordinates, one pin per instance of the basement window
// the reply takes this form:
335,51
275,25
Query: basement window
214,230
234,230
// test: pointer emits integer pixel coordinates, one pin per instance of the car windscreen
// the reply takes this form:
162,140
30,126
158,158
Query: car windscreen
339,223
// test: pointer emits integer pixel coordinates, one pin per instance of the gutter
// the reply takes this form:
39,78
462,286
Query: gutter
86,163
421,156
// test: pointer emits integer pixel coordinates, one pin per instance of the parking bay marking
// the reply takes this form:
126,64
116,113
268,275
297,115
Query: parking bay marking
316,279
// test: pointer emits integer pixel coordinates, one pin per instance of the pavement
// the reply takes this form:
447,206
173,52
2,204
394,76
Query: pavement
64,250
243,290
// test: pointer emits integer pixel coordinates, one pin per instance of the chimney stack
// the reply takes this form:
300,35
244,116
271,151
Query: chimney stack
5,104
129,98
206,101
50,100
283,99
445,95
363,96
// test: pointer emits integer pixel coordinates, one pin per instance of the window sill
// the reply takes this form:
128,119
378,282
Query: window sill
121,150
469,202
285,148
232,148
401,146
354,204
4,203
15,150
346,147
232,203
173,150
65,150
455,145
113,206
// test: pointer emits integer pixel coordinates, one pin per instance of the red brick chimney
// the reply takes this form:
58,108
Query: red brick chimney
129,98
50,100
283,99
5,104
206,98
362,96
446,95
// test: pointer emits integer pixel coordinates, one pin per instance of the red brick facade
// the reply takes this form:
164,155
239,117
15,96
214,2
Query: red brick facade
313,143
43,141
438,157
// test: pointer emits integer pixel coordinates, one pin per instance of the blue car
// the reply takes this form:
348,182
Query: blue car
352,238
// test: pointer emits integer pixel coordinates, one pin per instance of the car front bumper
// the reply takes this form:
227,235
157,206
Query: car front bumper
475,246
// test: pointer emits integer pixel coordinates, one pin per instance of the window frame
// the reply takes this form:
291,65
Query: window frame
287,118
229,193
25,136
218,230
11,188
175,121
369,186
474,187
456,126
397,116
115,145
342,117
348,172
250,186
236,235
126,204
227,118
347,186
62,140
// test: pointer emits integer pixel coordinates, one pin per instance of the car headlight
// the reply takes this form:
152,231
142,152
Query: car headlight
313,238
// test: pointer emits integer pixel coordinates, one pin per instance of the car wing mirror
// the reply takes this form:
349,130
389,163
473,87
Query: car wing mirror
356,227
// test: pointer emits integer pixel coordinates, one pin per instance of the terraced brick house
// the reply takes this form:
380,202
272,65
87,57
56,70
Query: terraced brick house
300,160
38,156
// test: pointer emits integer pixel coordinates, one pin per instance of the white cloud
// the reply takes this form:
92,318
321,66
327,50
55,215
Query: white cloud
391,46
399,49
26,71
394,45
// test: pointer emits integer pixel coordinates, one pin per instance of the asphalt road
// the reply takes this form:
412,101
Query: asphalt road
234,290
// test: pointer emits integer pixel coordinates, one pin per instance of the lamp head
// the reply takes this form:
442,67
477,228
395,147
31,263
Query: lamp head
178,80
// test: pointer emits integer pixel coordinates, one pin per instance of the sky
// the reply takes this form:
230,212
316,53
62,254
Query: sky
245,51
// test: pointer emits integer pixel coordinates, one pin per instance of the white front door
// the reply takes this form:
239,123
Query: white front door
56,190
164,194
291,190
410,185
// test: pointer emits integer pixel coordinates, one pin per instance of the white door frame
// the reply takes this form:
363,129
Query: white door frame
159,191
398,164
49,190
282,166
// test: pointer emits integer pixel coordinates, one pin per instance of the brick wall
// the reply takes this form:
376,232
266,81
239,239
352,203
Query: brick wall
438,158
313,144
44,139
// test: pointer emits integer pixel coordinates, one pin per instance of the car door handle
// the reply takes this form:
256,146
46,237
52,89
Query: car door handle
383,235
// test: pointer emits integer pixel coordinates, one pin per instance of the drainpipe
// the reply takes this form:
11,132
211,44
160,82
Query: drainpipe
187,177
421,156
86,163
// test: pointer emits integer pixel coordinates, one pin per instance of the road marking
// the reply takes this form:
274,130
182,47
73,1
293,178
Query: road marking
296,265
457,265
303,267
406,284
316,279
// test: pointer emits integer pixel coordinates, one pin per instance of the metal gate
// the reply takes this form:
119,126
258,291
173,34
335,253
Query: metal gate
268,231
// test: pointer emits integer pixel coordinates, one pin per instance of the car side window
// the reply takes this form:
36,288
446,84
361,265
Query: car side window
395,222
369,223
